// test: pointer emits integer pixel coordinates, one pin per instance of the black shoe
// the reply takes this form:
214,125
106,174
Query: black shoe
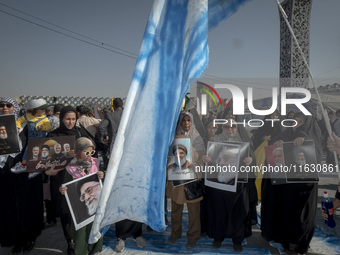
70,247
28,247
238,247
290,251
217,244
191,244
172,240
17,249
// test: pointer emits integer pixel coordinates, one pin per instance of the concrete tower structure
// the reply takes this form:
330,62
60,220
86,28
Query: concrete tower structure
293,71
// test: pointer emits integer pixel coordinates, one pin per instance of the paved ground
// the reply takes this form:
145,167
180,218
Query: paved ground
326,241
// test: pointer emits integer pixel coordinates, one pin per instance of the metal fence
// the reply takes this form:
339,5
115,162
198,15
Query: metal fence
102,102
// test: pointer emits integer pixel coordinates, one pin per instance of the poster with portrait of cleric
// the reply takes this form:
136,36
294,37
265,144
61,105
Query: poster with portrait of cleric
82,196
243,153
222,170
9,139
50,153
301,160
181,157
275,162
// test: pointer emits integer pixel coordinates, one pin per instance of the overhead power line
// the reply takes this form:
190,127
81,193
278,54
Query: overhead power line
99,45
66,29
114,49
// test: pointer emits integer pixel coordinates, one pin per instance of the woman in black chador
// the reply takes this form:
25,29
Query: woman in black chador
21,207
231,214
288,210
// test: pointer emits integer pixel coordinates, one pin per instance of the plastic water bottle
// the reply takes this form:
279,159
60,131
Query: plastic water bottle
327,207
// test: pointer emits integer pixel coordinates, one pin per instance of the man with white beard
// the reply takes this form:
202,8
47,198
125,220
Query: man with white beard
180,170
67,150
45,152
227,158
35,153
90,194
278,156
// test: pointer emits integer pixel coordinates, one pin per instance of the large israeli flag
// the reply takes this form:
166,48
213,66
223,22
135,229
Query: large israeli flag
174,52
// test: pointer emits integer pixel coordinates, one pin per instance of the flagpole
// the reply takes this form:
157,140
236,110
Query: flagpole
323,111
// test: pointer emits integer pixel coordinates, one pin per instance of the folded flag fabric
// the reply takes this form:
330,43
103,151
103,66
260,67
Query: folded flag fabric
174,52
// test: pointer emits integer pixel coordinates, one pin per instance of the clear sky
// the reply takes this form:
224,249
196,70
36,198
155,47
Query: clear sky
244,49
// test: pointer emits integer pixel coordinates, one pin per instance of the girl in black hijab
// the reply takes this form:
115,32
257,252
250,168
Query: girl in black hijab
68,119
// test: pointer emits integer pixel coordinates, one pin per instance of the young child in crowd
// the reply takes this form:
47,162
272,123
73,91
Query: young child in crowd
37,124
84,164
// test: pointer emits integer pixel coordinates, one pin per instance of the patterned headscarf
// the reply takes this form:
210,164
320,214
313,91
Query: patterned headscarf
196,139
14,103
192,133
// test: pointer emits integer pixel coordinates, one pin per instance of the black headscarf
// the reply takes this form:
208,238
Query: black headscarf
62,130
74,131
311,129
223,115
267,130
301,116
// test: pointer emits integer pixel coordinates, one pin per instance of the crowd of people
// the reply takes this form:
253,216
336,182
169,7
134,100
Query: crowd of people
288,210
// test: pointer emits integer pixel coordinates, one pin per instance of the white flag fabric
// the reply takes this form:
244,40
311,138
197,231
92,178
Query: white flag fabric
174,52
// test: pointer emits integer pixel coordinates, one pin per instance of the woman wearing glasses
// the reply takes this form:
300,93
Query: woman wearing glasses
68,119
84,164
231,214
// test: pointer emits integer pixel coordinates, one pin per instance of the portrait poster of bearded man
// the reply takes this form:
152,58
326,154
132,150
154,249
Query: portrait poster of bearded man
46,153
9,142
302,162
82,197
181,158
275,162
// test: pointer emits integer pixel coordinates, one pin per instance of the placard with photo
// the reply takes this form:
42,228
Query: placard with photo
222,171
9,139
302,162
82,196
275,159
181,158
49,153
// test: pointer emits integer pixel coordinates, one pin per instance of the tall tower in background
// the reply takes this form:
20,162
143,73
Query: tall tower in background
293,71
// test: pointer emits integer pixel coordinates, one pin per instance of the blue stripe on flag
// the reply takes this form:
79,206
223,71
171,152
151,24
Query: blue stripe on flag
174,52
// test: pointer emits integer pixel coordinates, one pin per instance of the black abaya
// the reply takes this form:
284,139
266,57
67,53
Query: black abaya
21,208
288,211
